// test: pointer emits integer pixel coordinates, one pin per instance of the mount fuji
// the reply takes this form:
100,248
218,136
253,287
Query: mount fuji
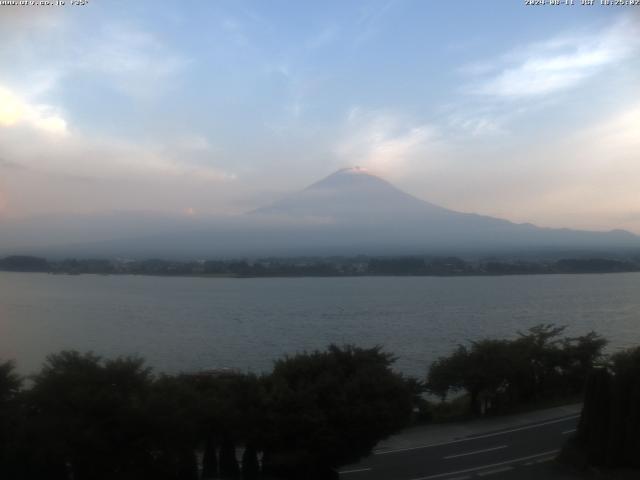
350,194
349,212
363,209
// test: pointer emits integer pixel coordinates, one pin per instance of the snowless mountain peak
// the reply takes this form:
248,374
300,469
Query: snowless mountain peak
351,194
348,176
354,170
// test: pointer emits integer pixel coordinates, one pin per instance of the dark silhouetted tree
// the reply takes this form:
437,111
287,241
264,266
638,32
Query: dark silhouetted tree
609,428
10,421
498,373
250,465
87,416
331,408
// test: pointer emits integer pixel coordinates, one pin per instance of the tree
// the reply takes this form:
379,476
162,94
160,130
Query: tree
446,373
483,371
250,465
10,382
229,468
540,345
232,413
87,416
579,356
595,417
537,364
624,445
10,416
24,263
331,408
609,428
173,418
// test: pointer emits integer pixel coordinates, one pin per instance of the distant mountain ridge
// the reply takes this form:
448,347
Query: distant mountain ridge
365,205
348,212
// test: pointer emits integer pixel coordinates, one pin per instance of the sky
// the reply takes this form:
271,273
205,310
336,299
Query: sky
529,113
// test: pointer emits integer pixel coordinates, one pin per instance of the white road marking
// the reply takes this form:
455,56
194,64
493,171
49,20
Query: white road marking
495,470
358,470
474,453
567,432
544,460
468,439
484,467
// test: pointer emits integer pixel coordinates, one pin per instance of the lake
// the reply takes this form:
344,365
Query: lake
186,324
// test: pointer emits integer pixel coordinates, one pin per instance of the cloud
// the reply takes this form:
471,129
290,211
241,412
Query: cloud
383,142
585,179
51,53
618,135
135,61
555,65
193,142
42,151
9,165
504,91
36,137
104,158
16,111
80,173
476,124
3,204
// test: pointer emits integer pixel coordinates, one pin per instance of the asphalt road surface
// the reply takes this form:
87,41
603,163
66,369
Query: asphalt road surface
503,454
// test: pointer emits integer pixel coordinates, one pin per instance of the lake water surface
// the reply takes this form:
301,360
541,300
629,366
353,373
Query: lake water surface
182,324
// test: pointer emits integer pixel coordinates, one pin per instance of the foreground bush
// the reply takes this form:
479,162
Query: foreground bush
85,418
609,429
331,408
499,374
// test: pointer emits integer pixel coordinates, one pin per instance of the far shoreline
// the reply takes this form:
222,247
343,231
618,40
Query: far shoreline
241,277
326,267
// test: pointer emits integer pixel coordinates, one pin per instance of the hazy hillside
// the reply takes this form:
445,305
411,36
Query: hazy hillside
348,212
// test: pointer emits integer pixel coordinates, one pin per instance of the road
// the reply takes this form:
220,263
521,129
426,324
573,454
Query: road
496,453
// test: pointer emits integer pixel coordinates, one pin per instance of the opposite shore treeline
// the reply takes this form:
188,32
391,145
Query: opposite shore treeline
327,267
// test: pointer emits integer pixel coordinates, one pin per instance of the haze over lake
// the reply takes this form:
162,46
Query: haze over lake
183,324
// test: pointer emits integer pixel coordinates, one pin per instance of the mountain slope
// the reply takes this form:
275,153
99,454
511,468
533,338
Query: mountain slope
363,209
350,194
349,212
